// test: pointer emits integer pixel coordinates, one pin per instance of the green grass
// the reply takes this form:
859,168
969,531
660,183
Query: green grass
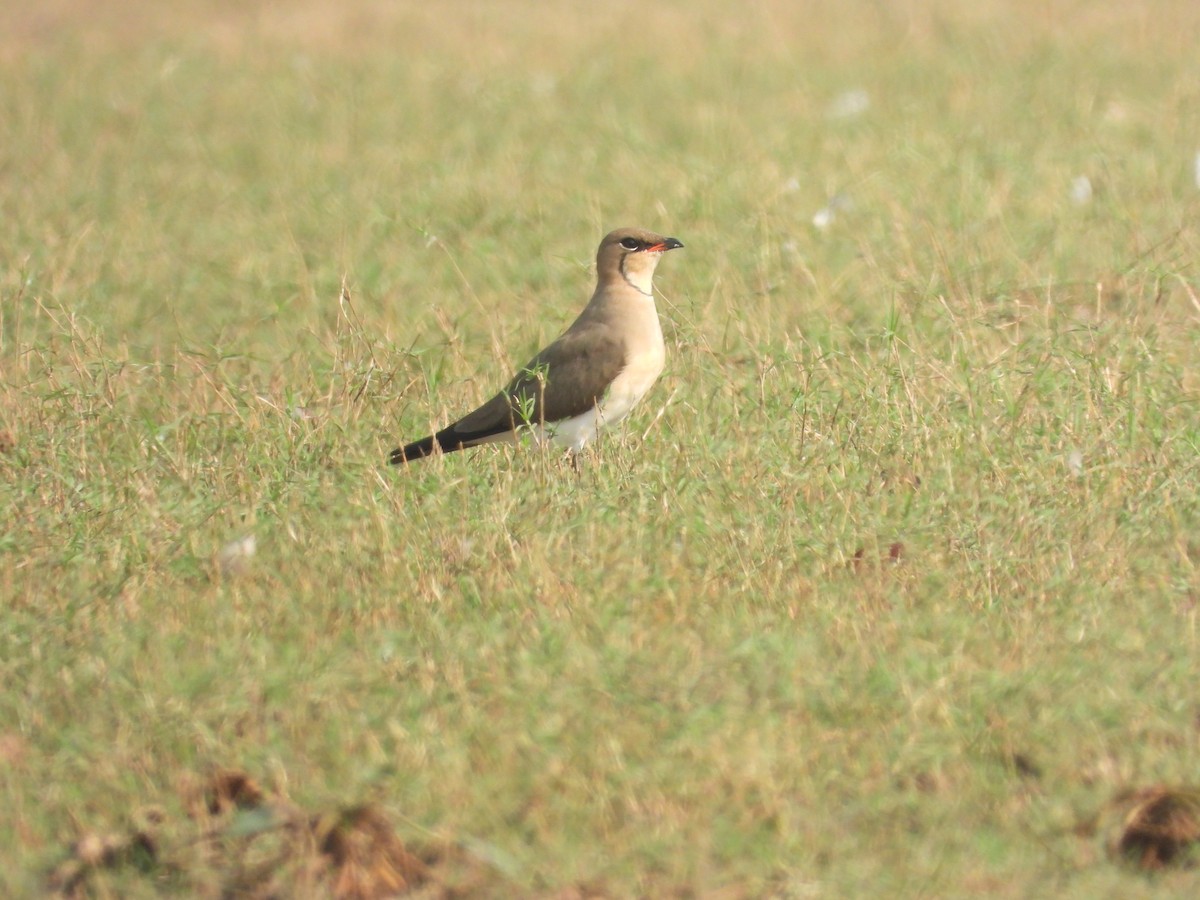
677,671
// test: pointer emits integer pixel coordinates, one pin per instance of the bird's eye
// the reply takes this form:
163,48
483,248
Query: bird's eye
630,243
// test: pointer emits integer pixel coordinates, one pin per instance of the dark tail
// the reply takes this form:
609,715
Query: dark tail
447,441
466,432
418,450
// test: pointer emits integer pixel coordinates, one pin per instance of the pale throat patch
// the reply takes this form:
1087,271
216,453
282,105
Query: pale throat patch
643,278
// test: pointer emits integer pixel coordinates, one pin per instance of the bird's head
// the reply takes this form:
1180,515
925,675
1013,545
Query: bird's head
631,254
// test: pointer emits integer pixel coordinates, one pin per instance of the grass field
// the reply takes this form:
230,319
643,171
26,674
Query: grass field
886,590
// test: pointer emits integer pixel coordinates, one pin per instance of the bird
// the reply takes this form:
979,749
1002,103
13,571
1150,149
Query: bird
591,376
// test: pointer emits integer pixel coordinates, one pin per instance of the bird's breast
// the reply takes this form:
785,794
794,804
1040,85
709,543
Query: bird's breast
638,376
623,394
645,354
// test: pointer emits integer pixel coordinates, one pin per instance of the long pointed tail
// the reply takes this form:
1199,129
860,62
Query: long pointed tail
446,440
416,450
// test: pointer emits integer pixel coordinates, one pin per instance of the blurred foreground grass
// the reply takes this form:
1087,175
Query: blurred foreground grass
889,585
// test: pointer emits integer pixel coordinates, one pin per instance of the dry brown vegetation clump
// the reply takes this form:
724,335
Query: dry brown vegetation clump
366,857
93,852
238,840
1157,827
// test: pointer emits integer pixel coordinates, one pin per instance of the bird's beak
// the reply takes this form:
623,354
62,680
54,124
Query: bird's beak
668,244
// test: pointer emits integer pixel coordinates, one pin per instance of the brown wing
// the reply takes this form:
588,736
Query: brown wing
566,379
